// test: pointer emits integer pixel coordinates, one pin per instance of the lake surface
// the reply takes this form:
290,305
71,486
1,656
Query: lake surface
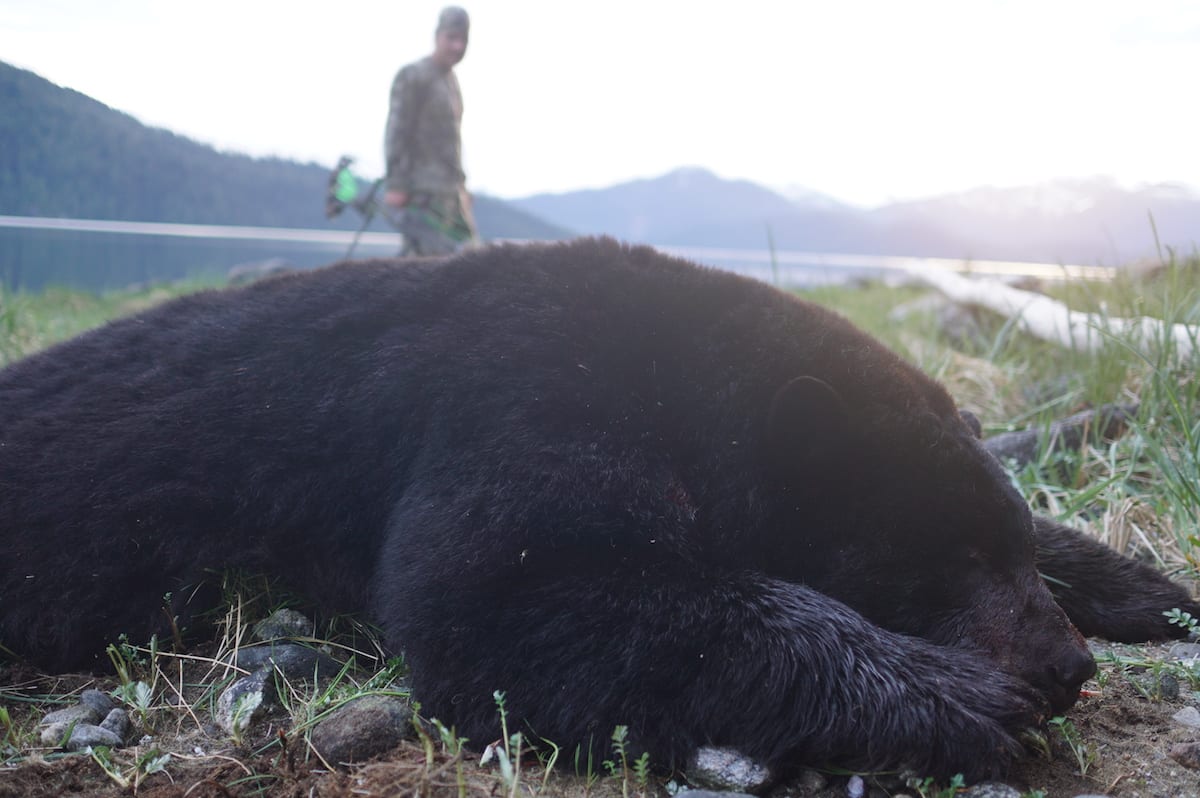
99,255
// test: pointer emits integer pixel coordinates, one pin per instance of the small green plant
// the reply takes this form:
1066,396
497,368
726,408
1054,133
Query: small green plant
586,771
636,772
244,708
1183,620
102,756
508,752
124,657
1085,755
149,763
9,738
548,759
451,744
130,778
929,788
138,695
65,737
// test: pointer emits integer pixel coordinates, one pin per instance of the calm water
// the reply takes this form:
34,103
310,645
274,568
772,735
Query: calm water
104,255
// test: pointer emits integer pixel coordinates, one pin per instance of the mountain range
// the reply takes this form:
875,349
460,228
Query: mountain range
1086,221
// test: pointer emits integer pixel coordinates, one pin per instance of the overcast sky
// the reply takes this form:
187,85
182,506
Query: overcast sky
865,100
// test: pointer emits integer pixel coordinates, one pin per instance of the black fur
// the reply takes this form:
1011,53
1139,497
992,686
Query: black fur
583,474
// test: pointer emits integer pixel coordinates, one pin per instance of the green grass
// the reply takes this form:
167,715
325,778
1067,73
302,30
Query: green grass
33,321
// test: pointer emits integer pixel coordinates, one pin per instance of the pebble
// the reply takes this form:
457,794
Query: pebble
1186,754
1168,687
103,703
117,722
76,714
992,789
726,770
812,781
363,728
283,624
111,732
88,736
1188,716
856,787
84,725
244,702
293,660
1184,651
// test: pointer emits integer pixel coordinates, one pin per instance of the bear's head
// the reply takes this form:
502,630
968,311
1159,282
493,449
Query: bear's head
910,521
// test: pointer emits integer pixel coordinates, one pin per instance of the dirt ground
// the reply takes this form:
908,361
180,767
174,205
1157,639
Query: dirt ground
1127,730
1130,736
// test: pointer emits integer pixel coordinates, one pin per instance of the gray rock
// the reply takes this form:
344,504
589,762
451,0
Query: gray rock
103,703
362,729
285,624
1188,716
1185,651
54,735
87,736
244,702
856,787
992,789
79,713
1186,754
117,722
81,736
83,723
1168,687
726,770
293,660
811,781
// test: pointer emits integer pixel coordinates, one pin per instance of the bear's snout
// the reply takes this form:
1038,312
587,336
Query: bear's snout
1039,644
1059,662
1061,680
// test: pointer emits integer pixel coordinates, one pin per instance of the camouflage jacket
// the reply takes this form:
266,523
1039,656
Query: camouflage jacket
423,144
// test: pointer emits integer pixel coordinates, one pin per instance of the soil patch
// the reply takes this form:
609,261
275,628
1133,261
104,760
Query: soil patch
1122,731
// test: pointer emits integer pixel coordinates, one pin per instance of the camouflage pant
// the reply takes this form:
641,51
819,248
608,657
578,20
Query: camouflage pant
434,224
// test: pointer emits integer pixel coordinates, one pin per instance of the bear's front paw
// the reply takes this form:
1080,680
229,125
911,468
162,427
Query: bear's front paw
974,725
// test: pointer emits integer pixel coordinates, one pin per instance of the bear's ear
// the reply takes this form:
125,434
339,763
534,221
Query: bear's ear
807,426
972,422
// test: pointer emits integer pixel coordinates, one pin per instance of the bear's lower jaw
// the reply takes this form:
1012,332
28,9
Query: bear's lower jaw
1059,697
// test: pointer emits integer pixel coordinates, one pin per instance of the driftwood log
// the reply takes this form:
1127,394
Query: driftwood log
1053,321
1023,446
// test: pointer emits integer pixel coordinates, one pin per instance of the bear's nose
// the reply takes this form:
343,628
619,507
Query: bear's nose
1075,669
1071,670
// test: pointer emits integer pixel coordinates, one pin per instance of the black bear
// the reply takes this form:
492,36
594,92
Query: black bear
619,487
